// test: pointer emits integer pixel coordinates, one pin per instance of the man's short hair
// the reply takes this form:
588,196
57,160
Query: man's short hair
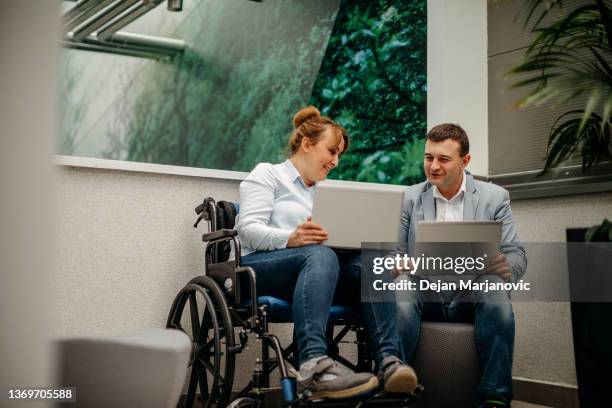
450,131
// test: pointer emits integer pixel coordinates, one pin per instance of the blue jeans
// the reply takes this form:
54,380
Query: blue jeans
493,320
314,277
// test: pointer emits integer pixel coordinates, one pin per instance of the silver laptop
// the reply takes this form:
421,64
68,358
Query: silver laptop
458,239
353,213
458,231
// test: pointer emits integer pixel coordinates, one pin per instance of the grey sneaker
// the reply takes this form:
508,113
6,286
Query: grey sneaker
334,381
396,376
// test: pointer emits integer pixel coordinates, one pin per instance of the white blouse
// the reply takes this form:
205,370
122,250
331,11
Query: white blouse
273,201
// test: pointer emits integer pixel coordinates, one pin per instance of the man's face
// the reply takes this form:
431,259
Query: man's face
443,163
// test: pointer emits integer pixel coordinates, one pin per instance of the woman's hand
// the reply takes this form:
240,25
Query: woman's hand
306,234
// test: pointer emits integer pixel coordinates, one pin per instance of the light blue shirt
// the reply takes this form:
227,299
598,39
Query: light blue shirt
273,201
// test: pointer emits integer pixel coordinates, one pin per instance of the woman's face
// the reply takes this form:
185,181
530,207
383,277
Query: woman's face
322,157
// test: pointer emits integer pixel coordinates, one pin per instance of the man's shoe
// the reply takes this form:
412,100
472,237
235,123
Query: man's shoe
328,379
397,377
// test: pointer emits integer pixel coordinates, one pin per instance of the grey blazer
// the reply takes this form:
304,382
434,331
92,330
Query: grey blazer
482,202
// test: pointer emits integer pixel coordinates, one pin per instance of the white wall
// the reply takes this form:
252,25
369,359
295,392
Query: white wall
125,246
457,72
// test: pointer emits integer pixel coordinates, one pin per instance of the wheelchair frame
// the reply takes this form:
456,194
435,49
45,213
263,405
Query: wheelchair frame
221,298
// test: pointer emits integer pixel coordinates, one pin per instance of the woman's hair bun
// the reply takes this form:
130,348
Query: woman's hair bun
304,114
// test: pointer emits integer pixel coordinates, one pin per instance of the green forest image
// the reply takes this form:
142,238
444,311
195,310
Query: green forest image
228,101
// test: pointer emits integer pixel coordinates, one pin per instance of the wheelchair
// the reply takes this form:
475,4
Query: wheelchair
220,308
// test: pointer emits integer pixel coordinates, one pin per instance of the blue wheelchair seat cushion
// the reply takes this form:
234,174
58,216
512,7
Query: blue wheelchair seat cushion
279,310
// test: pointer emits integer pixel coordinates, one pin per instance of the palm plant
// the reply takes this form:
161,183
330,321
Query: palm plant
569,58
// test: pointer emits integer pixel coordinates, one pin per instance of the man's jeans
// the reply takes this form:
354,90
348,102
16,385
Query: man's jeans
493,320
314,277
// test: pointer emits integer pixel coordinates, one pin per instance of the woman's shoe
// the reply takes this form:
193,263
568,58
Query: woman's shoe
328,379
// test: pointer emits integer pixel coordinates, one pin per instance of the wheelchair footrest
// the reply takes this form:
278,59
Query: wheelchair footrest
380,399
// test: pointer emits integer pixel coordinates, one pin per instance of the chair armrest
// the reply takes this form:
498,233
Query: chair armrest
219,234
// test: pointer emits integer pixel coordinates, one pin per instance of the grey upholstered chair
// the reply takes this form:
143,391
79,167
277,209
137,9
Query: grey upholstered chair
447,365
144,369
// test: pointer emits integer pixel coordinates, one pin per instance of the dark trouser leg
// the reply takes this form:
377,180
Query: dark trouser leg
494,336
379,318
412,307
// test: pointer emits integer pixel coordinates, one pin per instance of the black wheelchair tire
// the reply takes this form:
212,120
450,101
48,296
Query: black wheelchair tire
207,343
227,332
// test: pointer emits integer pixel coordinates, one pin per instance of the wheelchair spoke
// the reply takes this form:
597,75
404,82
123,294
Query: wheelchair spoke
208,365
211,368
209,344
205,328
195,318
203,381
193,382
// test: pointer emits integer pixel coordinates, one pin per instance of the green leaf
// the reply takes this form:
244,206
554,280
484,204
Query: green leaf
603,63
590,106
607,111
532,80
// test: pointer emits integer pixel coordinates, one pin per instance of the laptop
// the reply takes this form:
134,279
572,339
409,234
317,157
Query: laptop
353,213
457,239
459,231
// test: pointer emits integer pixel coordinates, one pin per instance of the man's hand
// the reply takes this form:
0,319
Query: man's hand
306,234
499,265
400,270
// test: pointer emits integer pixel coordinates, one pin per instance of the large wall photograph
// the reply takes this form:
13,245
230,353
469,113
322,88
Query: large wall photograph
227,101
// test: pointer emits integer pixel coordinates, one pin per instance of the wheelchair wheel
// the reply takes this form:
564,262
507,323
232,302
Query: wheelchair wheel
244,402
208,323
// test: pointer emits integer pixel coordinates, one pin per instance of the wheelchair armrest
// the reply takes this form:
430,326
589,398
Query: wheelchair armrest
219,234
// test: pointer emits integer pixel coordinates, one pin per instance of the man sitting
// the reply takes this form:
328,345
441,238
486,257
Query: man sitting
452,194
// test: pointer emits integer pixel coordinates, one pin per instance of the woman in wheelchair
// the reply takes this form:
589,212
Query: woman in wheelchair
281,243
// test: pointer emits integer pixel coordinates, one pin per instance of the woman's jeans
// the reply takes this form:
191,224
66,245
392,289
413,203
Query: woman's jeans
314,277
493,320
